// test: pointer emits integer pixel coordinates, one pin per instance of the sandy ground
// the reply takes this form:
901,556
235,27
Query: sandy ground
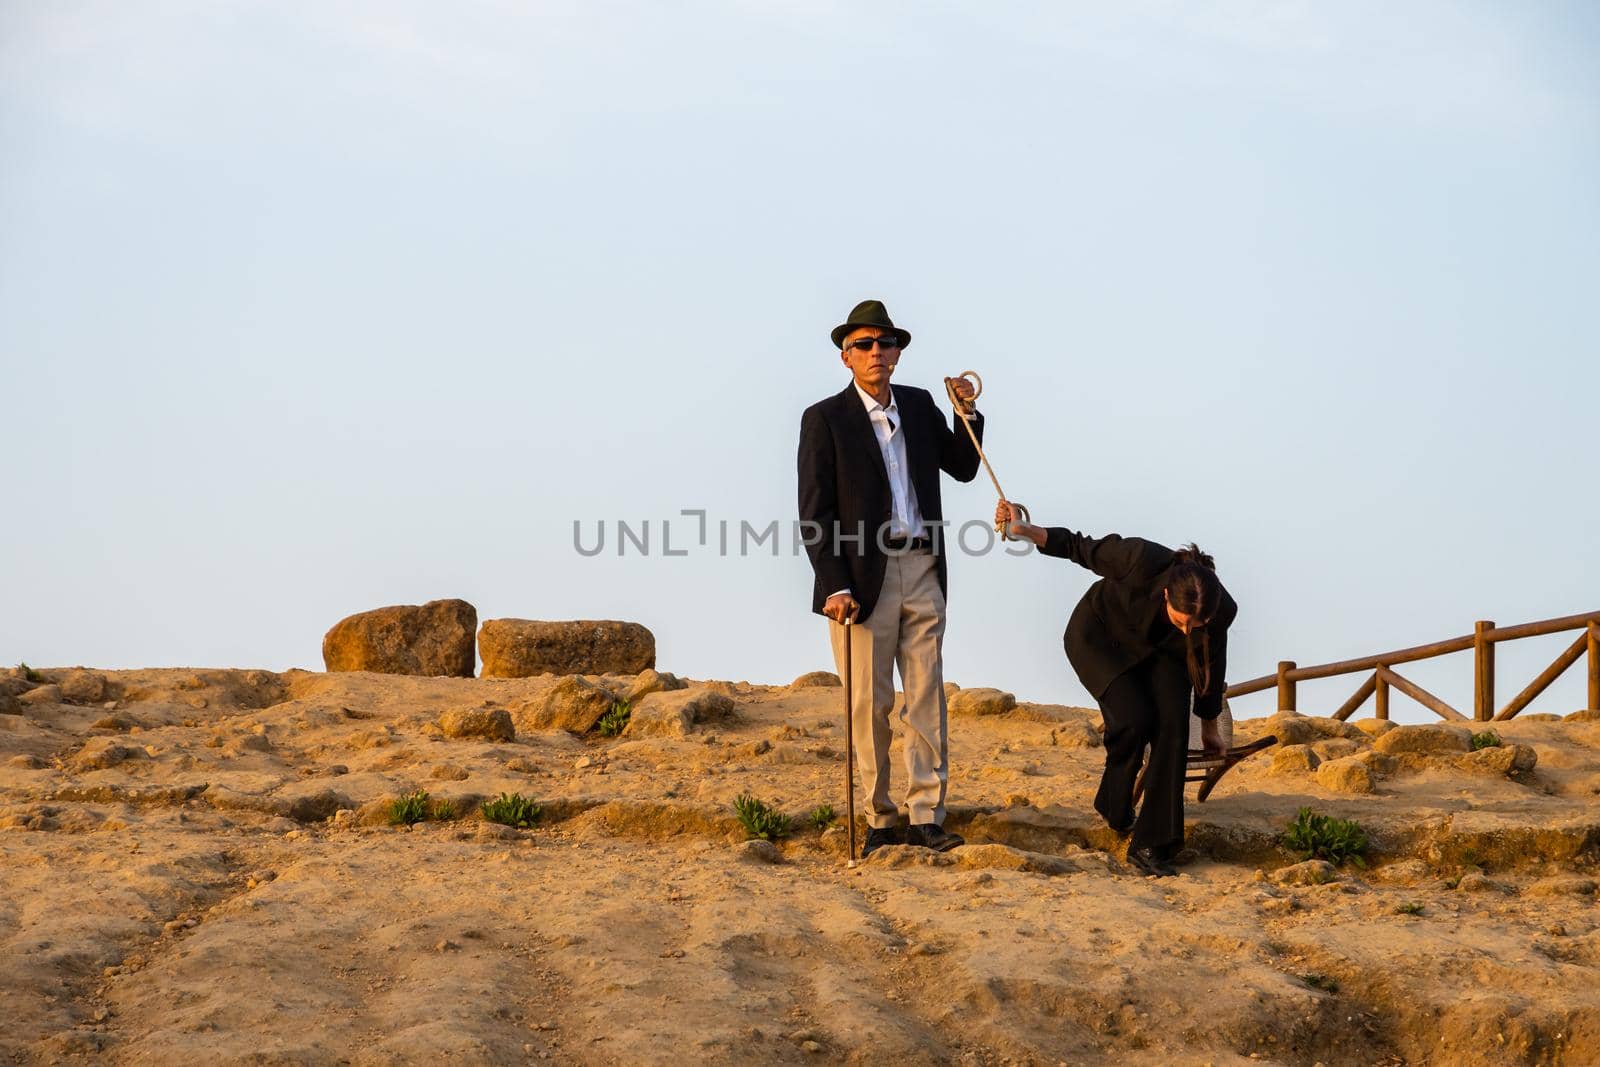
195,866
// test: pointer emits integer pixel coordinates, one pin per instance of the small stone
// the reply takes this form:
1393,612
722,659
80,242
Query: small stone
493,724
758,851
449,772
583,763
1346,775
447,946
811,1046
1310,872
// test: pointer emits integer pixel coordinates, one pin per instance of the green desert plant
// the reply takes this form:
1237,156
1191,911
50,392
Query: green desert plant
1313,836
511,809
1317,980
822,816
442,810
615,720
29,673
1487,739
1410,907
408,809
760,820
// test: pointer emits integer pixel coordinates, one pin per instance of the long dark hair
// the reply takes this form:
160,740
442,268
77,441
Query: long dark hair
1193,589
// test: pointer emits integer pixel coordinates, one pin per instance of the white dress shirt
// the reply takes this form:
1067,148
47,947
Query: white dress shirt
905,519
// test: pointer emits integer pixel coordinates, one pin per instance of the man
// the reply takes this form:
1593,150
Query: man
869,463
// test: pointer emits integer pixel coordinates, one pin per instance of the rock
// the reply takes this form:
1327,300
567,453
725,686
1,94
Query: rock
1346,775
493,724
816,680
650,681
1292,728
1332,748
1498,760
449,772
1378,763
1429,739
248,743
1293,759
1311,872
519,648
82,687
120,723
432,640
1578,716
9,705
1562,885
675,714
27,763
1076,735
1374,727
573,704
489,832
43,694
981,702
1478,882
103,752
758,852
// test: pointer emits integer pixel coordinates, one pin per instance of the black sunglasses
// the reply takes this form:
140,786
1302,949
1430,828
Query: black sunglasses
864,344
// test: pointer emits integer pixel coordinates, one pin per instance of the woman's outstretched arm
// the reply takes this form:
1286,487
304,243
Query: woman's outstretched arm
1110,556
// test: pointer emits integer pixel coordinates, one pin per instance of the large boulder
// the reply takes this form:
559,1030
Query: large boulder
432,640
1345,775
518,648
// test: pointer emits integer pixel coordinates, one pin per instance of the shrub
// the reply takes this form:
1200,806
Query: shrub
760,820
409,809
443,810
615,720
511,809
1487,739
30,674
822,816
1410,907
1313,836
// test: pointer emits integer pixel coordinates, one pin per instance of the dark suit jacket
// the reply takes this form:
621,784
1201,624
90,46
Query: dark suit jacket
844,486
1122,619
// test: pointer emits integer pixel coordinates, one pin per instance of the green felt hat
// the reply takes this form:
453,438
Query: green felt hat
869,313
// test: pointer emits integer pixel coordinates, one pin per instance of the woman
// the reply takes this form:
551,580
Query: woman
1147,639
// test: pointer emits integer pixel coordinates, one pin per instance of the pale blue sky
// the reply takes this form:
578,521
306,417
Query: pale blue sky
310,308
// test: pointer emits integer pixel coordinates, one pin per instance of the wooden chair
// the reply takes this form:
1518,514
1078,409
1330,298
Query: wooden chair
1206,769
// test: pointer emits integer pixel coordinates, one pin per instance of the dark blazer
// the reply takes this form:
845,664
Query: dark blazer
844,486
1122,619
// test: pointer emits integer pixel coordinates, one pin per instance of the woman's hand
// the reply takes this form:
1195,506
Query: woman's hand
1211,737
1009,519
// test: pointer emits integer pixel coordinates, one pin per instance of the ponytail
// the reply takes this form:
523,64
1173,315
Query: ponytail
1193,589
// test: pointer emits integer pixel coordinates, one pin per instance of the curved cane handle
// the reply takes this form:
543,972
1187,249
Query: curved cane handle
977,388
1001,527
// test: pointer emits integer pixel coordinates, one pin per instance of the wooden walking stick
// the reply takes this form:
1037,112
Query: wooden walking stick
849,738
1001,528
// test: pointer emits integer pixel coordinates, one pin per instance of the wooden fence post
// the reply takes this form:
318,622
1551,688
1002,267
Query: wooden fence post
1482,672
1594,666
1380,696
1285,685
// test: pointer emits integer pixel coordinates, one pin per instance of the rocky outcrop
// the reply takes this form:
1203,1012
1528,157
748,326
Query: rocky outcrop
816,680
675,714
432,640
519,648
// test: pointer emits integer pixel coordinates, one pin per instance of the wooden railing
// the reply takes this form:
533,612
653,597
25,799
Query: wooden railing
1482,639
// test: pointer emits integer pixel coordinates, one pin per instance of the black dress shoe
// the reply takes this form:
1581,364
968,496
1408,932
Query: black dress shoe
1150,863
878,836
932,835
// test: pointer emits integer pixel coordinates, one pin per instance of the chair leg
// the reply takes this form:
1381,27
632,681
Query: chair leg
1213,776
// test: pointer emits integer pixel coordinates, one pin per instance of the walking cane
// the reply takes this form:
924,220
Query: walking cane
966,420
849,739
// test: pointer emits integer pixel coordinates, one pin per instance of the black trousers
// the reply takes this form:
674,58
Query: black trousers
1147,706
